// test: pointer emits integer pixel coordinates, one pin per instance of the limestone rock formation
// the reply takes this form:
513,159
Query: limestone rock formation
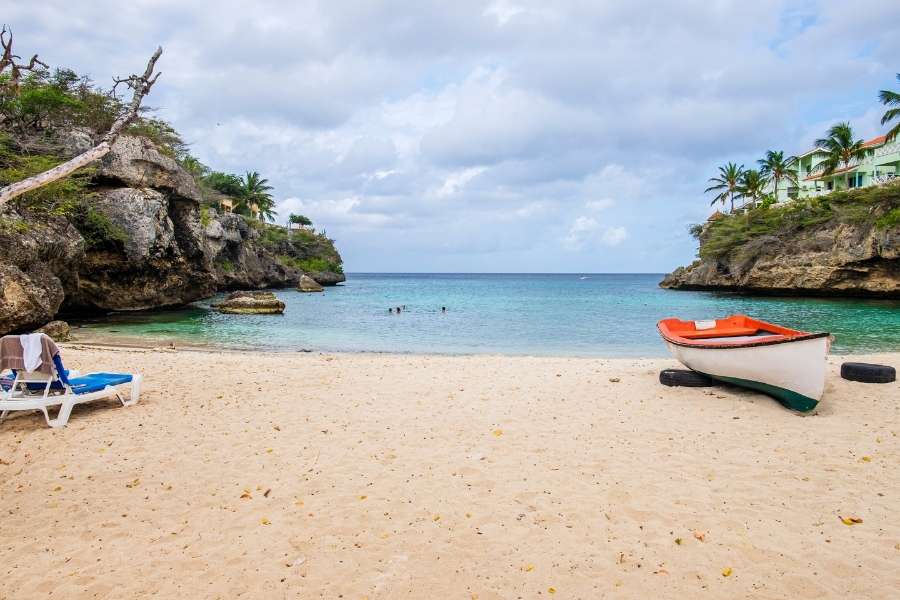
139,241
308,284
158,259
39,259
58,330
251,303
135,162
327,278
828,259
239,259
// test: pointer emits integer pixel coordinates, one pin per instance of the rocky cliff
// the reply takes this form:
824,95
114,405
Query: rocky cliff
844,244
238,257
139,239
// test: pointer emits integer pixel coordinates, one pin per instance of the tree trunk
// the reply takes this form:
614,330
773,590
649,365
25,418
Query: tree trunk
141,86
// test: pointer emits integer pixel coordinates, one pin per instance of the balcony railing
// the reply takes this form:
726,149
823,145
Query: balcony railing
887,149
892,148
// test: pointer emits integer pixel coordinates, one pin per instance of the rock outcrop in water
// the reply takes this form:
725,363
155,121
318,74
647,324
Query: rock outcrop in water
142,240
847,247
327,278
308,284
250,303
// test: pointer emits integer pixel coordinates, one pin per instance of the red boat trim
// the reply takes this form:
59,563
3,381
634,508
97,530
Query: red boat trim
776,339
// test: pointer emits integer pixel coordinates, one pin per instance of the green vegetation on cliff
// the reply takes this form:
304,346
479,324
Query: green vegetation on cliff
310,265
878,204
303,249
49,106
69,197
54,114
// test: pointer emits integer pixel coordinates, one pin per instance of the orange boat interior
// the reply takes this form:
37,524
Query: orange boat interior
733,329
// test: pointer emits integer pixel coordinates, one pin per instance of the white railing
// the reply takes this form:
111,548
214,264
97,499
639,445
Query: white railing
887,149
893,147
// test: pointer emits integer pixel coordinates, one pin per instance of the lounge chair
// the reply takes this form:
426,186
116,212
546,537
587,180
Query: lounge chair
39,391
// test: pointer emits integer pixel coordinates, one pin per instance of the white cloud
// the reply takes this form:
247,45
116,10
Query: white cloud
457,180
613,236
599,204
581,228
503,10
587,230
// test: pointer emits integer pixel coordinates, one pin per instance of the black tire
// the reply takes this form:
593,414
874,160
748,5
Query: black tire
868,373
684,378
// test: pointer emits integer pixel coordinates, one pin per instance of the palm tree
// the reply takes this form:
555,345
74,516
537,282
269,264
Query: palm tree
727,183
255,190
776,168
841,148
752,185
889,98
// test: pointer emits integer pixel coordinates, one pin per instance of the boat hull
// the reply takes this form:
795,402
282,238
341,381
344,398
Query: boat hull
793,372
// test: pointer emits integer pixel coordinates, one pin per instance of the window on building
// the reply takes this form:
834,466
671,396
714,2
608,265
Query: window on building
829,186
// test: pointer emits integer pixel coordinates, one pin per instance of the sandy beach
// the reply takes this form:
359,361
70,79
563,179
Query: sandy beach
357,476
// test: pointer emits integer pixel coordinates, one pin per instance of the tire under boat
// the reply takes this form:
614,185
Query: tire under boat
784,363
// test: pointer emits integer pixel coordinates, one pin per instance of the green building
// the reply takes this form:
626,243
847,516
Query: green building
881,164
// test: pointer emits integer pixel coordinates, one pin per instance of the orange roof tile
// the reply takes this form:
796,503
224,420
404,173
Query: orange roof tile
835,172
876,141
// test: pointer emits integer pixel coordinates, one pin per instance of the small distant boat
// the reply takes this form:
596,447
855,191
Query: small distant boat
784,363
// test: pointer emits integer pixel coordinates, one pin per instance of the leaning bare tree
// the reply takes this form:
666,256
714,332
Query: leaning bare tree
140,85
9,60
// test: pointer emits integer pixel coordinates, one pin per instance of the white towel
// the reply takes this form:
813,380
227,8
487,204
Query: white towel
31,350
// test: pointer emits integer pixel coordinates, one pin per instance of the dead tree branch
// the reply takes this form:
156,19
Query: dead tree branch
8,60
140,84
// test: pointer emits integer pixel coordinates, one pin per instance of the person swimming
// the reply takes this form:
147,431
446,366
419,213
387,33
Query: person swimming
391,310
443,309
398,310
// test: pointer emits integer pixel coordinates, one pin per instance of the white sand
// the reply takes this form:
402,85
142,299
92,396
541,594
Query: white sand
448,477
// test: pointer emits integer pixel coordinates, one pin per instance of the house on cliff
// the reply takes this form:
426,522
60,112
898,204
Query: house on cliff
226,203
881,164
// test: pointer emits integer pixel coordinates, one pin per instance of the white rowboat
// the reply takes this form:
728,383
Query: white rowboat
784,363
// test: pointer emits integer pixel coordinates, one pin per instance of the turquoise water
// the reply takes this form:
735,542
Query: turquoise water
564,315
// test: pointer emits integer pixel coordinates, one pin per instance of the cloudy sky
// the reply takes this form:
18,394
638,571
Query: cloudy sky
498,136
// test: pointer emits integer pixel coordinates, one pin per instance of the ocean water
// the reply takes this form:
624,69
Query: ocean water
518,314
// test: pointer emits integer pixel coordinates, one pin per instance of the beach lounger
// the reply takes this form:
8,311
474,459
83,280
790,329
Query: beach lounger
40,390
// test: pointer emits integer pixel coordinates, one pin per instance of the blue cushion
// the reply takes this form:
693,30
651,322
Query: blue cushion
94,382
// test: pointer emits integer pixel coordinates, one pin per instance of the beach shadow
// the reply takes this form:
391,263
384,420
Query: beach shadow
33,420
758,398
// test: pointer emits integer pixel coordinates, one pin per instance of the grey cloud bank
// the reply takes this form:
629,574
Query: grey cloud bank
489,136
